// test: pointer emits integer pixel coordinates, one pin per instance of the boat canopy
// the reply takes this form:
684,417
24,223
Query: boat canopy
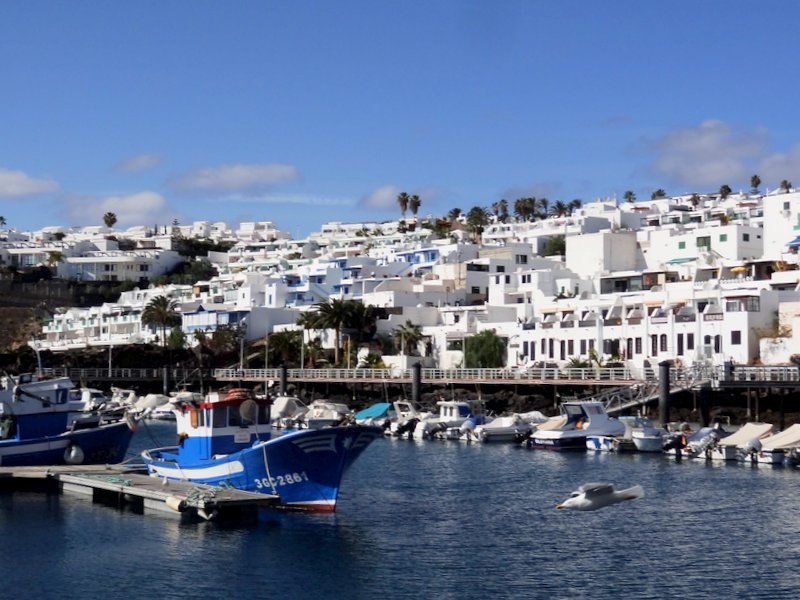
381,409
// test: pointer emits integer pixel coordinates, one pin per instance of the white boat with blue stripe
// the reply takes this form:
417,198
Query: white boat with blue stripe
225,439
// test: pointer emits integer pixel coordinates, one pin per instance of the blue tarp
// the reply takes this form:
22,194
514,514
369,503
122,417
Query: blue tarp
795,242
372,412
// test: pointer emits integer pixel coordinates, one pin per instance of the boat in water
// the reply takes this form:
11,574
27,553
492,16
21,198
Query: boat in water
578,420
42,422
226,440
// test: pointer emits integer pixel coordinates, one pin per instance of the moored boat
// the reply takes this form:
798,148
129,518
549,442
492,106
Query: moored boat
43,423
578,420
226,439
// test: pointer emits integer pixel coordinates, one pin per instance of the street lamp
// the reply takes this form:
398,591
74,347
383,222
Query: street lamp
347,335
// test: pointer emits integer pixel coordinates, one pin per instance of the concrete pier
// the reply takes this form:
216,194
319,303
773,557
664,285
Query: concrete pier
119,485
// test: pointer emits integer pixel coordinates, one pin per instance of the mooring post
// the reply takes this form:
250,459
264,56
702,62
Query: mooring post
284,375
416,383
663,391
705,414
165,379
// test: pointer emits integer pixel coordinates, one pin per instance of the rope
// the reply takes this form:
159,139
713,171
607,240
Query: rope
266,466
108,478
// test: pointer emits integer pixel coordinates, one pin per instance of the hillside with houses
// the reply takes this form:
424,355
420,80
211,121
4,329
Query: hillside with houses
697,279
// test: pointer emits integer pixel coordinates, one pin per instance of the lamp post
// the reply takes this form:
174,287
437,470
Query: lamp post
242,332
347,335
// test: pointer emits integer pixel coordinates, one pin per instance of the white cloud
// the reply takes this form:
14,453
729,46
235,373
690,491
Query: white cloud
14,184
142,162
779,166
303,199
709,155
383,198
234,178
132,209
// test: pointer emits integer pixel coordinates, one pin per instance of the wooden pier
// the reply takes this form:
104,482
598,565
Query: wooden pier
133,488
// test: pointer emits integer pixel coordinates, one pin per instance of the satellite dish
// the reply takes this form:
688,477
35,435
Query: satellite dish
248,411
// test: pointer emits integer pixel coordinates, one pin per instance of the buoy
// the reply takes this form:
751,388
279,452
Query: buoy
175,503
131,421
73,455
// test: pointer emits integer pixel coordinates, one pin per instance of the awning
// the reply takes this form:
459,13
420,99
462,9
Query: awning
795,242
680,261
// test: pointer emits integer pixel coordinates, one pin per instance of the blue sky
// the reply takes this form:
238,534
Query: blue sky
304,112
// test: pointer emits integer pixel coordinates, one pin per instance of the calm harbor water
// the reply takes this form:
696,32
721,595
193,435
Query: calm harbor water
434,519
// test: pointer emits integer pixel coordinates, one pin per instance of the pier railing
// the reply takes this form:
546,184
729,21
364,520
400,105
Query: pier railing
717,376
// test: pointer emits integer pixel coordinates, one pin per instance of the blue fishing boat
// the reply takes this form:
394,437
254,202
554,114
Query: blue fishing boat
42,423
225,438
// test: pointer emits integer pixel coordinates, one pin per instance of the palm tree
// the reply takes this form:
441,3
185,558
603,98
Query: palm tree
408,335
284,345
543,204
575,204
2,221
454,214
333,314
786,187
477,218
755,182
502,210
413,204
402,202
695,200
524,208
110,219
724,191
659,193
162,312
629,196
559,209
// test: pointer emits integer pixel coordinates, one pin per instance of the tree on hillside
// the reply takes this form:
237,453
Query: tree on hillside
454,214
560,209
502,214
486,350
402,202
161,312
414,203
2,221
755,183
407,336
724,191
110,219
477,218
543,205
524,208
786,186
629,196
556,244
575,204
333,314
695,200
659,193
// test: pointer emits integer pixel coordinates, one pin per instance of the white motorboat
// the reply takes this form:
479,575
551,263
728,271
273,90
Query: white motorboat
510,428
774,449
455,415
578,420
646,434
743,441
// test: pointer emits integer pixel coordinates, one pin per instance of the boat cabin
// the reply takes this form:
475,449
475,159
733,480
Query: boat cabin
221,422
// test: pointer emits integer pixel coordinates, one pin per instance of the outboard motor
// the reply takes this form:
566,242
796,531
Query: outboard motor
676,441
407,427
708,442
750,450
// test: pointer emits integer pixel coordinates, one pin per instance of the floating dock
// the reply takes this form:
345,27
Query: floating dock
131,487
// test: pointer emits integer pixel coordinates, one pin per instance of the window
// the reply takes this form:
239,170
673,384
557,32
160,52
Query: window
638,344
745,237
723,237
663,342
690,341
501,269
475,290
704,242
654,345
521,259
736,338
583,348
570,347
681,245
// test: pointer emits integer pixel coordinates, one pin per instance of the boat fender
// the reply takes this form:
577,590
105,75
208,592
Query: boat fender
176,504
73,455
